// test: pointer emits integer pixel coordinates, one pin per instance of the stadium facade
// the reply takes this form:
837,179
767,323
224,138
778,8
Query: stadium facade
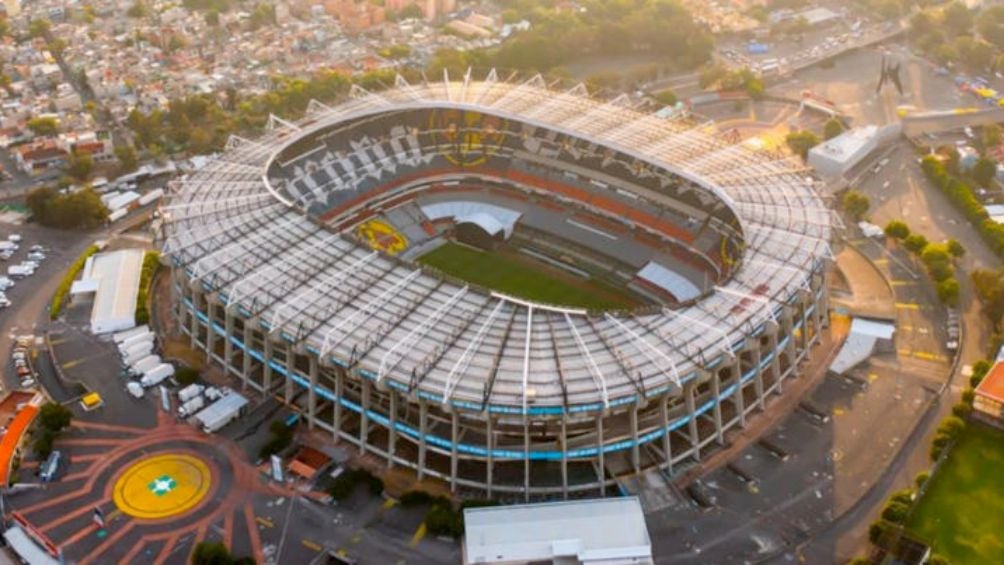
292,268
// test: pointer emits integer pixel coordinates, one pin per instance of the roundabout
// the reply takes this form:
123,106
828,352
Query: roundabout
162,486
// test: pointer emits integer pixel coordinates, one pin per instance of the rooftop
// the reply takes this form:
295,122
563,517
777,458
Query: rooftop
992,386
599,529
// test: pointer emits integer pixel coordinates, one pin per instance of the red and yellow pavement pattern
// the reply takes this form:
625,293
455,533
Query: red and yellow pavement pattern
160,491
12,438
162,486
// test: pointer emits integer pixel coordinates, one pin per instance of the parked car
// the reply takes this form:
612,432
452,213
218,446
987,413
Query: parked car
15,237
36,256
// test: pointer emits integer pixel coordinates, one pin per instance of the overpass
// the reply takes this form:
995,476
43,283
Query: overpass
952,120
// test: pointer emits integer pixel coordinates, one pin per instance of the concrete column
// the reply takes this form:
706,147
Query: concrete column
228,345
695,439
247,356
423,417
193,326
602,471
267,355
635,453
490,441
775,362
758,374
735,372
290,367
210,334
312,392
336,423
667,447
454,432
526,460
392,432
564,456
716,390
364,419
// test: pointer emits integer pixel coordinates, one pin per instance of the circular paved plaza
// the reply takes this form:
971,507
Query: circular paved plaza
162,486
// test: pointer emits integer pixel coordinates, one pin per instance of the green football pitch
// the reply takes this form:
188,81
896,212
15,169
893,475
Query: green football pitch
522,277
962,512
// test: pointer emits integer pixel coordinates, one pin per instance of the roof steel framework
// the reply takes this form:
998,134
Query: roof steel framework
236,233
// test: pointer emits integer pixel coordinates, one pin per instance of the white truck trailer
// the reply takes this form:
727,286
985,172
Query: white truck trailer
145,364
190,392
119,337
191,406
157,375
133,340
137,352
222,412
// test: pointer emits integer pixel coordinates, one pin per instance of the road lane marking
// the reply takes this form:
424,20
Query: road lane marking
908,306
311,545
264,522
419,534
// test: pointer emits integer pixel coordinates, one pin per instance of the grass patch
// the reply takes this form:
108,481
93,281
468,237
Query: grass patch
64,285
961,513
524,278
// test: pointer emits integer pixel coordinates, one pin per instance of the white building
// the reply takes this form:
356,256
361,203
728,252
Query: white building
602,530
836,156
113,279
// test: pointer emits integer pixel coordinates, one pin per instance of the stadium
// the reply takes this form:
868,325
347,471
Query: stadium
520,290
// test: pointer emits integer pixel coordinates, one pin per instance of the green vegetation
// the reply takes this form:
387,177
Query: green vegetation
215,553
186,375
960,512
64,285
79,165
81,210
897,229
52,419
520,277
938,258
800,142
855,204
442,518
151,264
597,27
280,437
43,126
343,486
832,128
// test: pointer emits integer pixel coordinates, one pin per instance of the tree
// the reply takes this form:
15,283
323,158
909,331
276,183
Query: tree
126,155
212,18
991,25
991,133
897,229
138,10
955,249
895,512
186,376
801,141
938,261
39,27
54,417
915,243
832,128
82,209
984,171
211,553
666,97
948,291
79,165
957,18
989,286
44,126
855,203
